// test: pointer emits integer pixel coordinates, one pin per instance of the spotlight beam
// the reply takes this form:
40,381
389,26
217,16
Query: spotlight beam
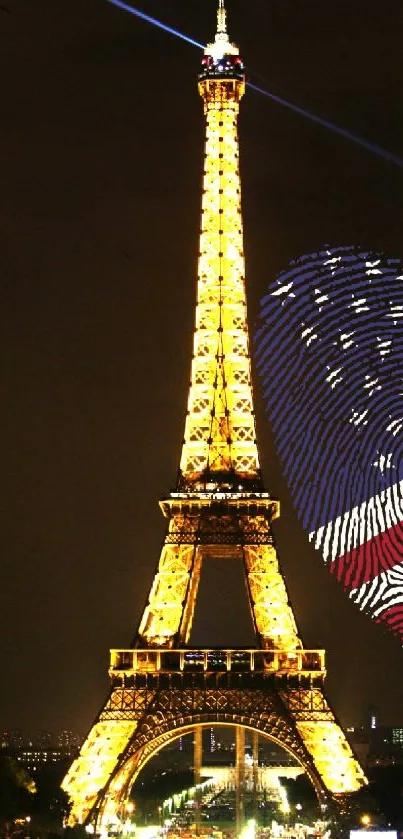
158,23
330,126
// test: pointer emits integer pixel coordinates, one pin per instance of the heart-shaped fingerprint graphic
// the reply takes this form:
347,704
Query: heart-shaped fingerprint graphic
329,349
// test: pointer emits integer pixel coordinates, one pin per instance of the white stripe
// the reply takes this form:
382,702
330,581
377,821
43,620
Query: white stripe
360,524
383,591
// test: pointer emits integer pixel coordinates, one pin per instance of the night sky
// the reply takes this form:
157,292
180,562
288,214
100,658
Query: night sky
101,145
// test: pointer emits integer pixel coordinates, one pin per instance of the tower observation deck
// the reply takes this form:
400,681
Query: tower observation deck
162,688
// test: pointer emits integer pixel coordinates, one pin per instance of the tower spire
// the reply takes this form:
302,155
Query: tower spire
221,19
222,45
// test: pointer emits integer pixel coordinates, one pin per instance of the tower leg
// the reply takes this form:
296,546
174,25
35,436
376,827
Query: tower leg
197,765
240,778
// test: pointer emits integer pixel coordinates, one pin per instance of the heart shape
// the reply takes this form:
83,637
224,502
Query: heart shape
329,351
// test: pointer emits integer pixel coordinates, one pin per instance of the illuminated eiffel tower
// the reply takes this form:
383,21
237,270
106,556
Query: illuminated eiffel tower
161,688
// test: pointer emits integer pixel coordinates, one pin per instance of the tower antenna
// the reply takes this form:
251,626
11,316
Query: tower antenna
221,19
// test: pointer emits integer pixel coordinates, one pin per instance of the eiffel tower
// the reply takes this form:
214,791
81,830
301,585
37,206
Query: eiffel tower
161,688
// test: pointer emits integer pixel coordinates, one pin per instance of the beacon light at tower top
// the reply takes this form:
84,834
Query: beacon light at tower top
221,57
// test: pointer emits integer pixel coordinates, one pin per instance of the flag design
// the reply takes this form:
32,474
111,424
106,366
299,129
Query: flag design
329,352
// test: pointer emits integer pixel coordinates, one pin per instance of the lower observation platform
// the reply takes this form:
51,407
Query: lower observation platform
305,663
241,503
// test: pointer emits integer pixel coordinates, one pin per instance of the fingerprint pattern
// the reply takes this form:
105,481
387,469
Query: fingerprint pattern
329,351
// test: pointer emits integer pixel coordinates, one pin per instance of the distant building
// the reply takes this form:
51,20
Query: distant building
39,749
68,740
373,718
34,759
377,745
397,736
42,739
13,738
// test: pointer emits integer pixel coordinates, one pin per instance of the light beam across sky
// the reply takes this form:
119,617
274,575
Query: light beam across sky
331,126
158,23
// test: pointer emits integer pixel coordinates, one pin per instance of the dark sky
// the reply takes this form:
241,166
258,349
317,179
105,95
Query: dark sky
101,156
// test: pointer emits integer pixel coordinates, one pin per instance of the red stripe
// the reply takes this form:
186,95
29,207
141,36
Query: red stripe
368,560
394,618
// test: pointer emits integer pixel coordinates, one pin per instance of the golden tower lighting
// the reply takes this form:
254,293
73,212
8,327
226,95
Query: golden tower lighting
162,688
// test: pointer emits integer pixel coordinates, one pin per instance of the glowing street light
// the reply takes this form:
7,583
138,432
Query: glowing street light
249,830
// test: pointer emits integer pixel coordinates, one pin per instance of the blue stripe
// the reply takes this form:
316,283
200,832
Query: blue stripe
328,455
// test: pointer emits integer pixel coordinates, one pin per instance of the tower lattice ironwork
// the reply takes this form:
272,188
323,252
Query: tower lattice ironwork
161,688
